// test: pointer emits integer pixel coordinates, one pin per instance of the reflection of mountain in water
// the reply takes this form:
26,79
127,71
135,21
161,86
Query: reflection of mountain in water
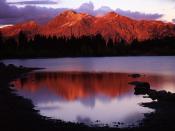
81,85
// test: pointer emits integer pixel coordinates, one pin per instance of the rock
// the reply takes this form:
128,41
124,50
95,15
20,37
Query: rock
2,66
21,67
161,95
141,88
135,75
12,85
11,67
97,121
152,94
165,96
140,84
116,125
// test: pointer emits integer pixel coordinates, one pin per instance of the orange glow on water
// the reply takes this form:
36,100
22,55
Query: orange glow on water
74,85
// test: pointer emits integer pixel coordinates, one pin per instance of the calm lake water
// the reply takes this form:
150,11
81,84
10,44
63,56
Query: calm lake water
94,91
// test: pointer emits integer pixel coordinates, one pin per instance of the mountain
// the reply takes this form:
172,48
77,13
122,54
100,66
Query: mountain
69,23
110,26
30,28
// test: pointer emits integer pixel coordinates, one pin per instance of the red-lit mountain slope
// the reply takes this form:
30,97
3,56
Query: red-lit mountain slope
110,26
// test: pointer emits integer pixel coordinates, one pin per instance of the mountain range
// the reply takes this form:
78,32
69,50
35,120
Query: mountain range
110,26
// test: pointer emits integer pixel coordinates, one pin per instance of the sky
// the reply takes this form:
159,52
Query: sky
16,11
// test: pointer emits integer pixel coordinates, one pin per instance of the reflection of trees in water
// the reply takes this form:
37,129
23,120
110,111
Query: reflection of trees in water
74,85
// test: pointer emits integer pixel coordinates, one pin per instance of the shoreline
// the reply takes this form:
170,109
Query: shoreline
105,56
18,113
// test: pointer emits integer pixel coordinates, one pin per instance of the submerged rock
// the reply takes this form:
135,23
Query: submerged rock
135,75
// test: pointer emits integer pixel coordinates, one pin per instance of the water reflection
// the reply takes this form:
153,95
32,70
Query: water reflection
72,86
87,97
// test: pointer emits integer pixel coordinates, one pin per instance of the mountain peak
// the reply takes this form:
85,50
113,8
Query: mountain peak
112,14
30,25
68,13
31,22
72,13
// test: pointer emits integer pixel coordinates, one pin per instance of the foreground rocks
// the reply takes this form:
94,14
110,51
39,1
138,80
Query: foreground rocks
164,105
143,88
18,113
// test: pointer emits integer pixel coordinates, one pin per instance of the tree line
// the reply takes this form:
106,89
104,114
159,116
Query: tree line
42,46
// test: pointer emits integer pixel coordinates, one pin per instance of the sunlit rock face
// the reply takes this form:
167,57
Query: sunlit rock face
30,28
110,26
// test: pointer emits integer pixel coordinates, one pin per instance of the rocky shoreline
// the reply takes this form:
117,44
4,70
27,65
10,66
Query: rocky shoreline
18,113
163,103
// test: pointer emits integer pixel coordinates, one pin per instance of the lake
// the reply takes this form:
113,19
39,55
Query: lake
94,91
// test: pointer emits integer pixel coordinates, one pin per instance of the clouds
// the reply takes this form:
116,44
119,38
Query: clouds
89,8
10,14
138,15
173,20
33,2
